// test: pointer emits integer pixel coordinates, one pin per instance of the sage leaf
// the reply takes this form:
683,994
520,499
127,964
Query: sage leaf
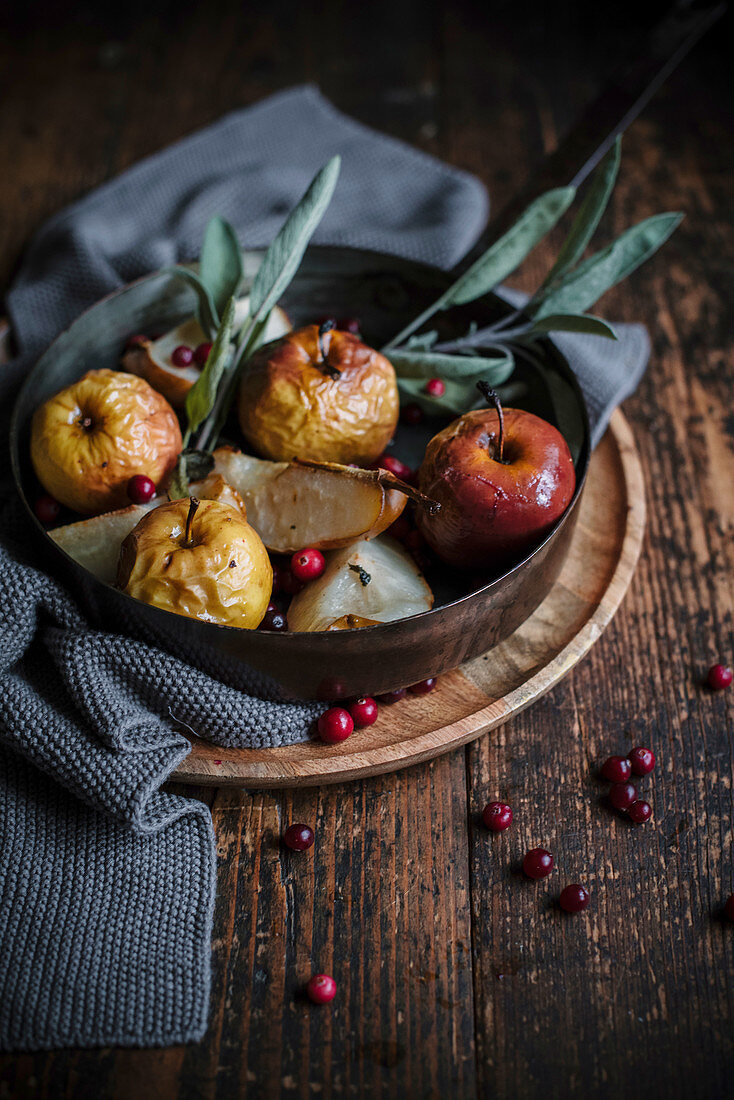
580,288
422,364
178,483
589,214
206,310
423,342
461,393
202,395
569,322
282,259
220,264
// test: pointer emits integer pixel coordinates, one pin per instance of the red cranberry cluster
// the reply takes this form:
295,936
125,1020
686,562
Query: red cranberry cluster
338,723
618,770
184,356
289,577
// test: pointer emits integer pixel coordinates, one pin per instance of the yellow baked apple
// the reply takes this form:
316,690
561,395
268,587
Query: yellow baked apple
319,394
200,559
88,440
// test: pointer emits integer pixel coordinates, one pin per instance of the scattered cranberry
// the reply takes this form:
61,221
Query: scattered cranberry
182,356
719,677
298,837
497,816
412,414
272,606
350,324
729,907
273,620
617,769
622,795
642,760
537,863
201,354
640,812
307,565
423,686
574,898
390,697
277,578
395,466
363,711
288,583
321,989
435,387
47,508
140,489
335,724
136,341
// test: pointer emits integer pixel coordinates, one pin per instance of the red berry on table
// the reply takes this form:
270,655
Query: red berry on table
719,677
182,356
729,907
390,697
363,711
640,812
622,795
435,387
394,466
350,324
423,686
321,989
642,760
497,816
273,619
47,508
412,414
335,724
307,565
617,769
201,354
574,898
298,837
537,863
140,489
136,341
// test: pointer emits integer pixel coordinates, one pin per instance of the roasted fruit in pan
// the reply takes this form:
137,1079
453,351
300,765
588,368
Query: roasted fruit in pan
319,394
502,478
88,440
174,374
198,558
376,581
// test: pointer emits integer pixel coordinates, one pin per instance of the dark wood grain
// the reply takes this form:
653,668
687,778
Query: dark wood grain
456,976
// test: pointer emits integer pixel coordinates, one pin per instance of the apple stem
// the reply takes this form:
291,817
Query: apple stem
324,328
492,398
193,505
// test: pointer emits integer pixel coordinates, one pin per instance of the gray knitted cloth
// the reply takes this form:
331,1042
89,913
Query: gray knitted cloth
107,882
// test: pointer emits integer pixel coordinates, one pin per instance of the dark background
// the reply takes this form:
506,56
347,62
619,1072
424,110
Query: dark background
453,981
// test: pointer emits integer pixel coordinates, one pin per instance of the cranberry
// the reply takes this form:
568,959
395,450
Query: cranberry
335,724
640,812
136,341
497,816
574,898
272,606
273,620
435,387
412,414
201,354
47,508
350,324
395,466
617,769
140,489
288,583
642,760
321,989
277,578
537,863
390,697
182,356
423,686
298,837
729,907
363,711
622,795
307,565
719,677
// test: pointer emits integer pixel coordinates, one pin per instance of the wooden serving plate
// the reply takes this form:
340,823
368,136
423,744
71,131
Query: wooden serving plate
485,692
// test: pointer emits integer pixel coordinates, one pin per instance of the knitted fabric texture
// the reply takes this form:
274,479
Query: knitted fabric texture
107,881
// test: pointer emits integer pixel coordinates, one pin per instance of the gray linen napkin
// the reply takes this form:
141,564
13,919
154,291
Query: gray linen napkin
106,881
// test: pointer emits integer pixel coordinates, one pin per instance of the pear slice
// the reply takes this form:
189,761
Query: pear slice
376,580
293,504
151,359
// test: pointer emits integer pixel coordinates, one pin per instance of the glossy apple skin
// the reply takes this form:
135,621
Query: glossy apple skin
290,407
492,512
89,439
225,577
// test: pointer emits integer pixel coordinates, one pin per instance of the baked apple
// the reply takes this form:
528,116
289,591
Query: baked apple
88,440
502,478
200,559
319,394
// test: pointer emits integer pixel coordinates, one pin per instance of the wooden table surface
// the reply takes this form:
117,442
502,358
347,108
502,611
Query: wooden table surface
457,978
